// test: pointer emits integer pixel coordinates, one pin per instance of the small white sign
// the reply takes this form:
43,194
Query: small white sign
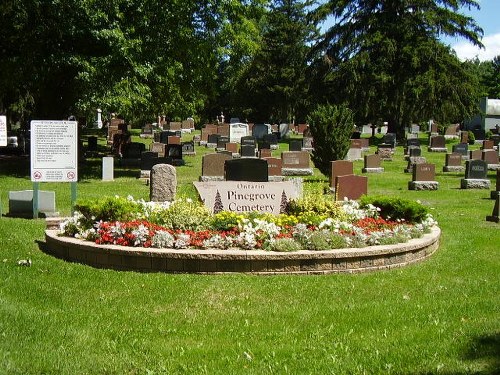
3,131
54,151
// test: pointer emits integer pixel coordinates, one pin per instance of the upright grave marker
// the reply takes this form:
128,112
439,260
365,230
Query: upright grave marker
424,177
3,131
372,164
453,163
476,172
495,192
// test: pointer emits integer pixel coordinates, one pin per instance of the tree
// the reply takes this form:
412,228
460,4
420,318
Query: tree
276,77
331,128
386,61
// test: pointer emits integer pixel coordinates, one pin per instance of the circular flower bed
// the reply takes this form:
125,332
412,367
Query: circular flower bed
311,223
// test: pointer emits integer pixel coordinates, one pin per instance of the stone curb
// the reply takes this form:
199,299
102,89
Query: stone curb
352,260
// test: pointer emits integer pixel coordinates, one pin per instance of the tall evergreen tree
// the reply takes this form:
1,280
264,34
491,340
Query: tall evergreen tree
384,58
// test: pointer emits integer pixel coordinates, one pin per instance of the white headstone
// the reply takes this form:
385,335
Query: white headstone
236,131
107,168
3,131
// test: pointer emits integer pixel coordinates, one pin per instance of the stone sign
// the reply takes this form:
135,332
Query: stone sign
244,196
246,170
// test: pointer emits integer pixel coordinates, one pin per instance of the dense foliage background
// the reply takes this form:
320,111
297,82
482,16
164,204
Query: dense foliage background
259,60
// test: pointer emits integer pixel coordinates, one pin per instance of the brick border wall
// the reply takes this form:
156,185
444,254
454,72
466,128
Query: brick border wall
243,261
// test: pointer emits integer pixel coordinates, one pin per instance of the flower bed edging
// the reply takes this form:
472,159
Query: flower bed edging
365,259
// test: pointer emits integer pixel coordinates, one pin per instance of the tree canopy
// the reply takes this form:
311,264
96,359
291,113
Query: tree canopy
261,60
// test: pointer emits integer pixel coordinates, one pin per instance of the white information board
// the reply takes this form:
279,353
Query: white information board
3,131
54,151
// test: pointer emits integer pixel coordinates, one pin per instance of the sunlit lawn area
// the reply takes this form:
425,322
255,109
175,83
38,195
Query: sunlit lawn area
441,316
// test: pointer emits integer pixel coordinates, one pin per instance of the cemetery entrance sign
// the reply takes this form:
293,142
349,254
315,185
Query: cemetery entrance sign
246,196
54,146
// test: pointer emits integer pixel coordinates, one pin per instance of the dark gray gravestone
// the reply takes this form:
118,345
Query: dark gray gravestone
247,151
272,139
263,145
246,170
476,169
462,149
414,151
213,139
295,145
390,139
174,151
188,148
248,141
221,142
414,160
413,142
92,144
133,150
494,193
146,158
495,216
259,130
164,136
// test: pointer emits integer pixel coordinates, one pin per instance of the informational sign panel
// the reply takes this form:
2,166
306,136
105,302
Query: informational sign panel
54,151
3,131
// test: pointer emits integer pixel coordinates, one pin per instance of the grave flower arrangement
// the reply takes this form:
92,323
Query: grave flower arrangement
310,223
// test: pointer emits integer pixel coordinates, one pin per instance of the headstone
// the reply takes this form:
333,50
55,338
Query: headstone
205,132
453,163
487,144
247,151
295,145
423,178
146,158
462,149
249,141
272,139
413,142
307,143
475,155
365,144
495,216
476,172
223,130
491,158
414,160
213,140
495,192
353,154
479,133
263,145
221,142
163,183
164,136
302,128
284,129
340,168
175,125
232,147
147,131
246,170
390,139
372,164
159,148
452,131
133,150
296,163
173,140
236,131
273,167
107,168
350,186
265,153
437,144
464,137
356,143
21,203
92,144
415,129
188,148
212,166
175,152
385,152
434,128
414,151
259,130
366,129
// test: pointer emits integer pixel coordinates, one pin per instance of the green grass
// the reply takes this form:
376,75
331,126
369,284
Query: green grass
441,316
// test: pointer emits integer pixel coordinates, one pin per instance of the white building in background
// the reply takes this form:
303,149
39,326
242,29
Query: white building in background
489,118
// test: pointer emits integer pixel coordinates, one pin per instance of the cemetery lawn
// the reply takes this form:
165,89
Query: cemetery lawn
440,316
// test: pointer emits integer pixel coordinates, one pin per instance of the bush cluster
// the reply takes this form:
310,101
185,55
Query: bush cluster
393,208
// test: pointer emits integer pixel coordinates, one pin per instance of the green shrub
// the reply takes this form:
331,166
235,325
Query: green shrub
331,128
106,209
184,214
471,137
392,208
316,205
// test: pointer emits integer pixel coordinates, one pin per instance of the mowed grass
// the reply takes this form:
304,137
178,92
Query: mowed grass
440,316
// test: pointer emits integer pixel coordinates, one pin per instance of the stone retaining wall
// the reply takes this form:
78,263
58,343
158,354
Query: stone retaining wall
244,261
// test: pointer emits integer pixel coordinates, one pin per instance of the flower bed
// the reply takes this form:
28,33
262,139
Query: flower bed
312,223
